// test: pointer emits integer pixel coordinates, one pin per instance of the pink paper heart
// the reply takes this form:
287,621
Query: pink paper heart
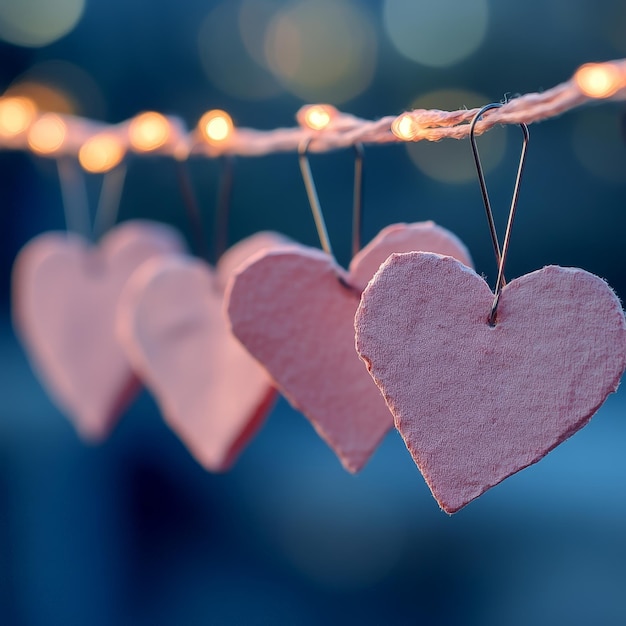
290,309
476,403
172,325
65,293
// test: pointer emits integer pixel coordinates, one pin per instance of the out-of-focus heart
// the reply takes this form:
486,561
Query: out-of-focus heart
171,322
476,403
65,292
294,311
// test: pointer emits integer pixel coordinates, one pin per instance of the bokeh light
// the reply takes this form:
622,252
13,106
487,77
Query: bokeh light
322,50
216,127
450,160
404,127
149,131
254,19
60,87
226,61
101,153
45,97
47,134
598,145
16,115
36,23
599,80
436,34
317,116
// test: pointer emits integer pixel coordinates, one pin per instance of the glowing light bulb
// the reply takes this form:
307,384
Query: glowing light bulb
101,153
47,134
16,115
149,131
599,80
404,127
216,127
317,116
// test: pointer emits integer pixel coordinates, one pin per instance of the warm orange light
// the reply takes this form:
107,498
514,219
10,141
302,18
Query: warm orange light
47,134
101,153
599,80
16,115
149,131
404,127
216,126
318,116
45,97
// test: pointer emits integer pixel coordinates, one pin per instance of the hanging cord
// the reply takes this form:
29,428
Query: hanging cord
591,82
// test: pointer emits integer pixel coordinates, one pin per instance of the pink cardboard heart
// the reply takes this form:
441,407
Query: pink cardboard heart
476,403
293,309
211,392
65,293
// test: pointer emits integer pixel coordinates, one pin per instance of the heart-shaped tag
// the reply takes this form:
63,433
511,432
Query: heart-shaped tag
65,292
476,403
171,322
293,309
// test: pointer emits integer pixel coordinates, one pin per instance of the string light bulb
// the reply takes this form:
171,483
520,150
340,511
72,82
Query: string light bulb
317,116
599,80
101,153
149,131
216,127
404,127
17,113
47,134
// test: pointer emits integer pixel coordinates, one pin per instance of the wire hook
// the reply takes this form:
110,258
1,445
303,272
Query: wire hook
500,254
357,198
74,196
192,208
481,178
76,202
109,200
223,204
311,190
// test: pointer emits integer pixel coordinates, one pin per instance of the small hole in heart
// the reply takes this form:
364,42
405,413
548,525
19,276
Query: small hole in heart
346,285
491,320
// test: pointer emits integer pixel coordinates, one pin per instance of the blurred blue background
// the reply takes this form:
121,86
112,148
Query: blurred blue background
134,531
